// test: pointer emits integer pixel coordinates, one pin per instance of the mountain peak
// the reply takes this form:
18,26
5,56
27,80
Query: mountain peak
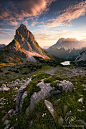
23,26
25,45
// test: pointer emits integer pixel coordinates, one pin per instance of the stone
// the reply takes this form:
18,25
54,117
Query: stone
4,89
36,97
23,81
7,127
22,99
6,122
3,85
49,107
60,120
28,80
17,80
10,111
65,86
19,97
80,100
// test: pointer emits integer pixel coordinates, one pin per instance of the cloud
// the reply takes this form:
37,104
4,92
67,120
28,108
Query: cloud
67,15
49,37
15,11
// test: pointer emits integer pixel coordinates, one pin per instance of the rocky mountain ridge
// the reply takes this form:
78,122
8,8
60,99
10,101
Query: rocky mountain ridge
67,48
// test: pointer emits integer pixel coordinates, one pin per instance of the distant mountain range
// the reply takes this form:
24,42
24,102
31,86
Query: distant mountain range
2,47
67,48
80,60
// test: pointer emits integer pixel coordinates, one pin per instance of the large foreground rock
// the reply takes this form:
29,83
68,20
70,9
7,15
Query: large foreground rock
65,86
36,97
19,97
49,107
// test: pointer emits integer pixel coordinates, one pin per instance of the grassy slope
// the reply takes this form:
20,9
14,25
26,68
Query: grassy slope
48,122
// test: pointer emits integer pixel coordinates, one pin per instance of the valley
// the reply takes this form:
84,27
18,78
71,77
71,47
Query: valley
39,90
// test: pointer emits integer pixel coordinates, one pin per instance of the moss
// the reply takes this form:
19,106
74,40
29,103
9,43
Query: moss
31,88
40,76
50,79
54,84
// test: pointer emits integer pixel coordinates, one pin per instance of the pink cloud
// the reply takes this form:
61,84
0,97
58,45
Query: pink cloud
69,14
28,8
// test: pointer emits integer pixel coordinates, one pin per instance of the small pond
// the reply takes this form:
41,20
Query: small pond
65,63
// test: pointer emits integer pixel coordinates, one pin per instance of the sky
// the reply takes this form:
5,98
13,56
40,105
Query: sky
48,20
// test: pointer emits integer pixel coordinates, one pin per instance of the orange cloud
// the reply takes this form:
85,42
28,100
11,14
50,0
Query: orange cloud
50,37
69,14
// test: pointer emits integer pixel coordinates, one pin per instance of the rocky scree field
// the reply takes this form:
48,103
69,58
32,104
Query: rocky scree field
52,97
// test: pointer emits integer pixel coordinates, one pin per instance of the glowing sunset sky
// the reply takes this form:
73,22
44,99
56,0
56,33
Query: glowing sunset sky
48,20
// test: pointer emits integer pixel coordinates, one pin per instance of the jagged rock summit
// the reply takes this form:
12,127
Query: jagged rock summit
25,45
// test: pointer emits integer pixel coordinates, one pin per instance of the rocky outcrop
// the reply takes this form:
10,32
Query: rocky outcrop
65,86
37,96
47,91
19,97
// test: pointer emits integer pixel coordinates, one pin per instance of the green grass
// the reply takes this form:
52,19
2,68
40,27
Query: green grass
40,76
9,104
48,122
31,88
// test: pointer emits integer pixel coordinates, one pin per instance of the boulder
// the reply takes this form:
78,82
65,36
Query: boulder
5,89
10,111
22,99
80,100
28,80
19,97
65,86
